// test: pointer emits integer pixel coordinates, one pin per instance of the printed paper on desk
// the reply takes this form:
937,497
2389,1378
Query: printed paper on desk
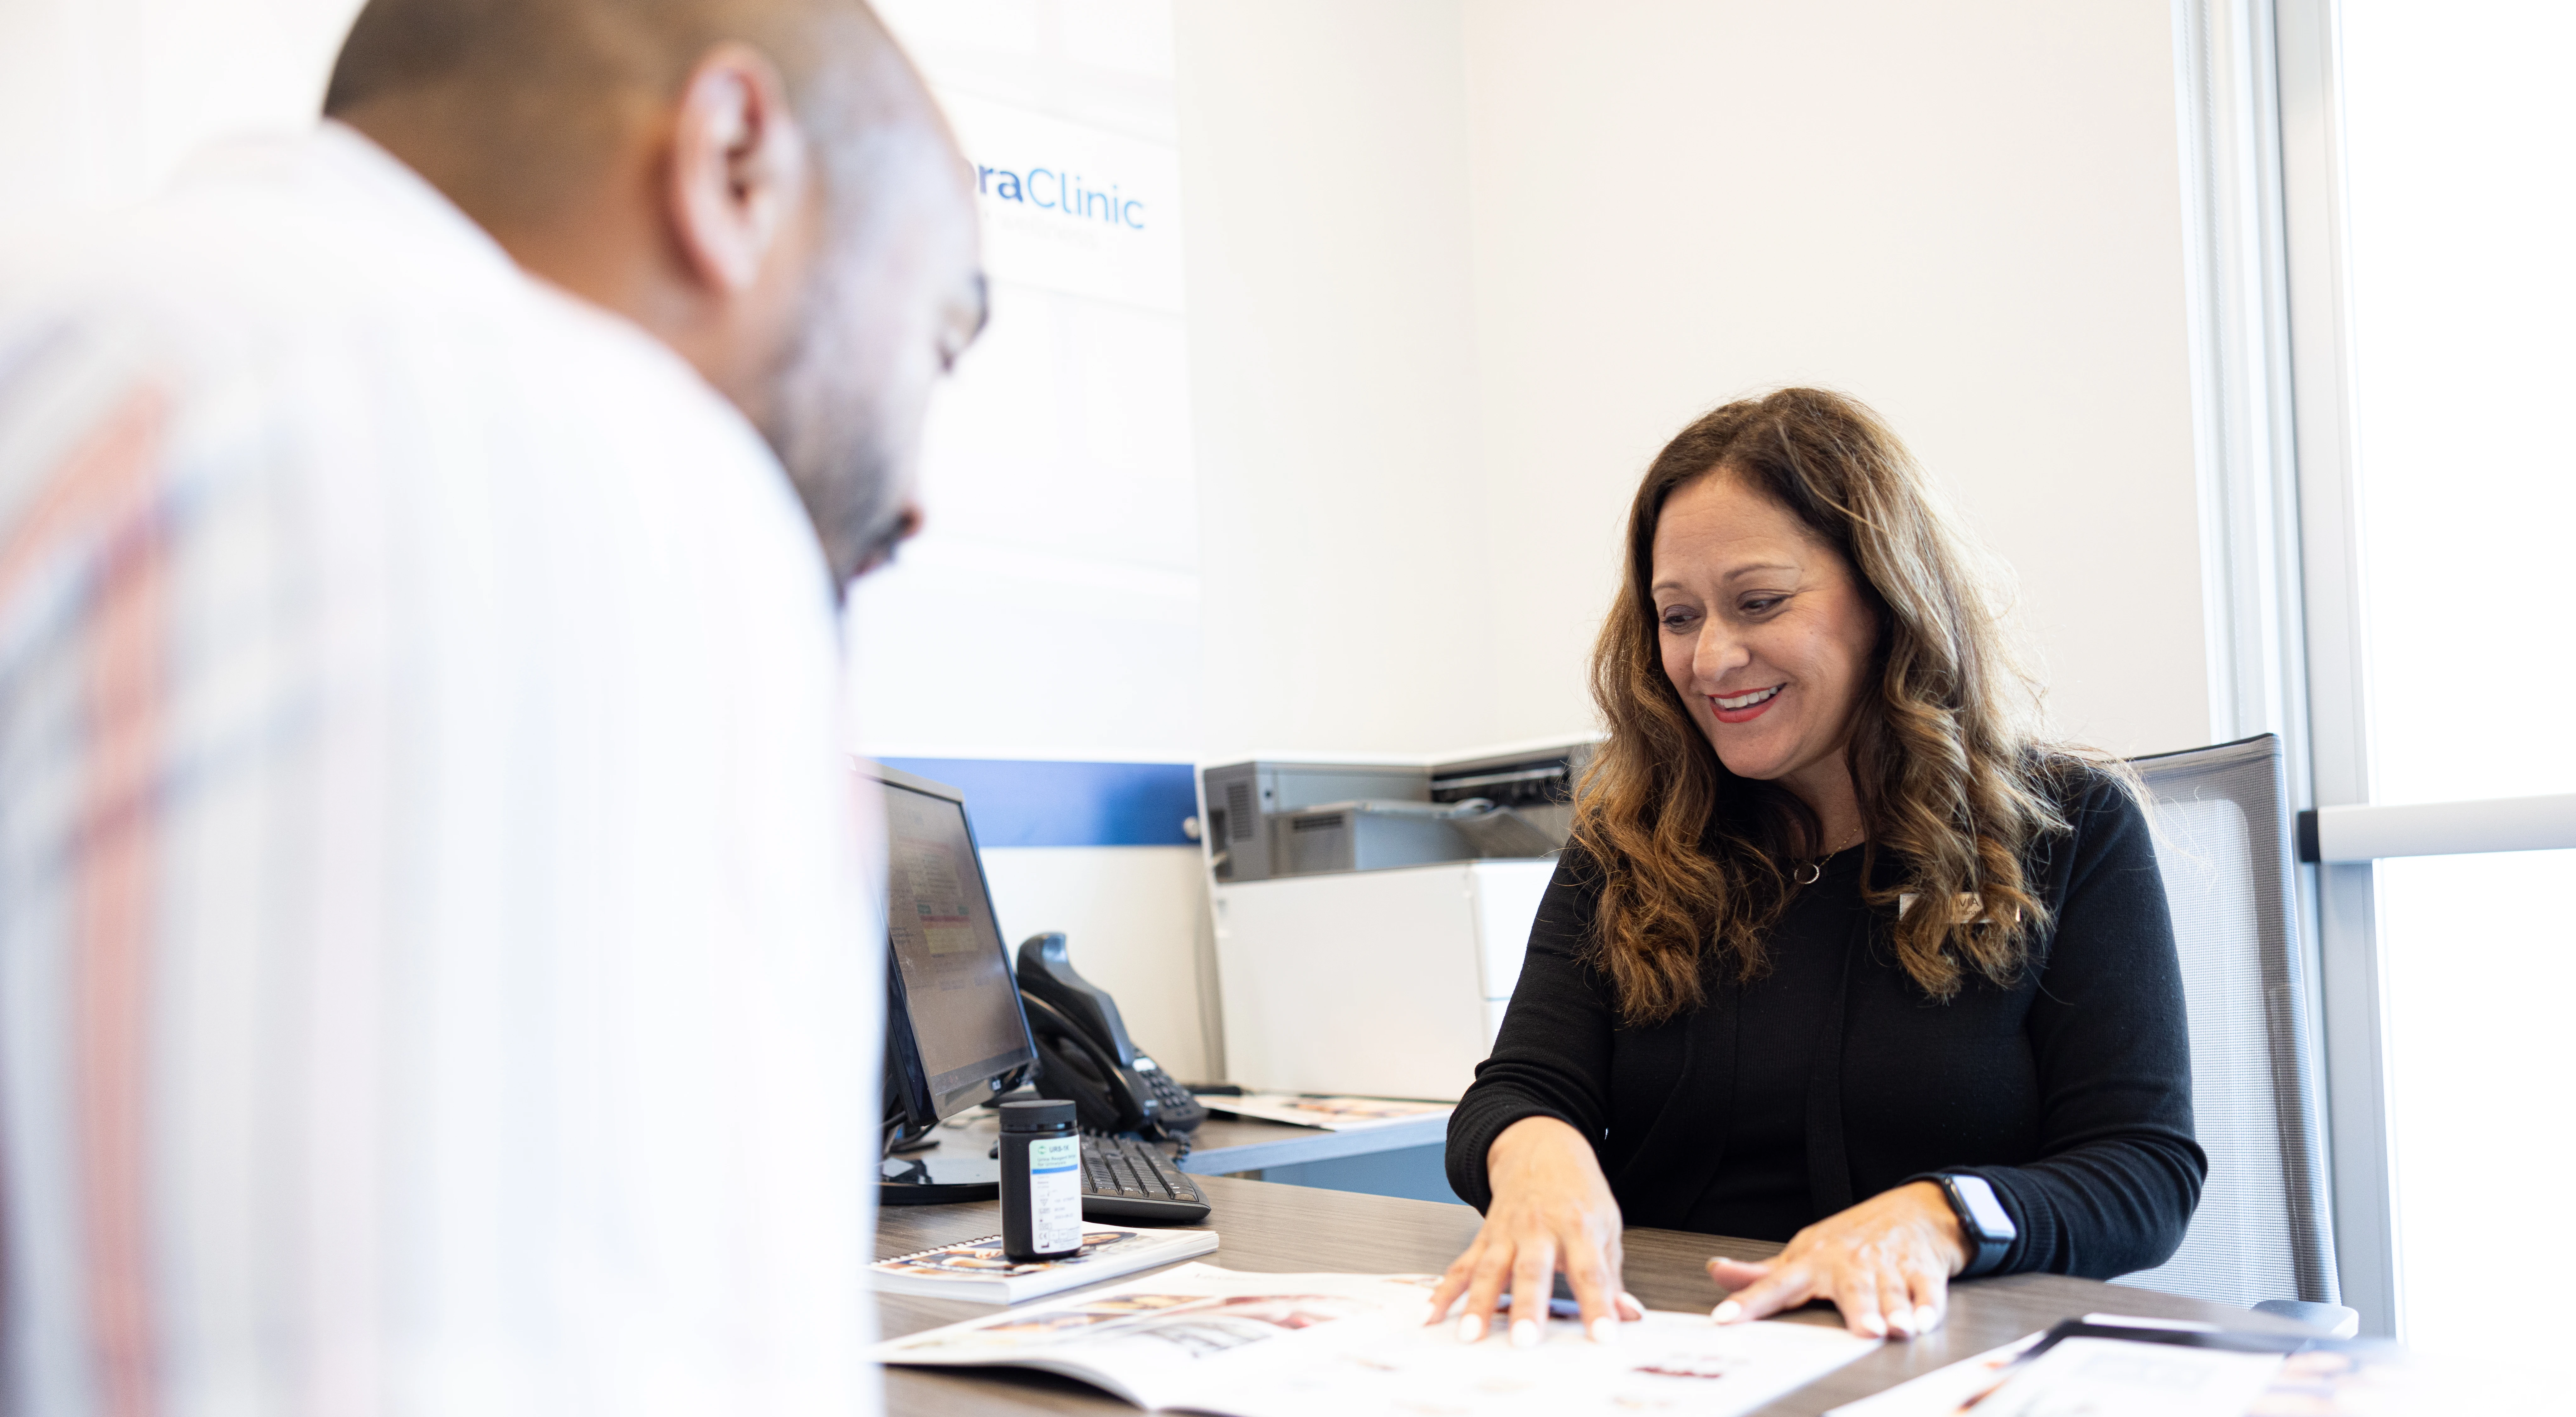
1339,1114
978,1271
1285,1345
2329,1378
2107,1377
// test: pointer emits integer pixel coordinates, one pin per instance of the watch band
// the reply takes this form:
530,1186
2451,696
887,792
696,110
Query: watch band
1986,1245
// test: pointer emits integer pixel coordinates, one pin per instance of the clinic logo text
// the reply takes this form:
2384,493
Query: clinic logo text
1065,193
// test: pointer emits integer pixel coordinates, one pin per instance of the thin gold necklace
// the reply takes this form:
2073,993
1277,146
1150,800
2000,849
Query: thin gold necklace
1808,872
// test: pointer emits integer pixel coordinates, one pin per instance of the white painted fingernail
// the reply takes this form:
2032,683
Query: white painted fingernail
1471,1328
1901,1323
1631,1301
1926,1319
1727,1312
1525,1334
1874,1326
1605,1330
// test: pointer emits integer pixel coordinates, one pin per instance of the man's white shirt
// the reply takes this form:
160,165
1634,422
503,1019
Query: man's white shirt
432,967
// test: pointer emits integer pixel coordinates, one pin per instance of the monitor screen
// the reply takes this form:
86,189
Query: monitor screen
962,1002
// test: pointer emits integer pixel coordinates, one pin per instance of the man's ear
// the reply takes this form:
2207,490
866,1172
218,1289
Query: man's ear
738,167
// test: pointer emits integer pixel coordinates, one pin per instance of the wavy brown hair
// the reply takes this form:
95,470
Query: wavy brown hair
1695,861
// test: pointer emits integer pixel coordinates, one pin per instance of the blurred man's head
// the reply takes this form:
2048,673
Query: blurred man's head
765,185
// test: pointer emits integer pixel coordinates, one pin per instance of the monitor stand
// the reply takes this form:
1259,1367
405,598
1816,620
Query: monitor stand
938,1180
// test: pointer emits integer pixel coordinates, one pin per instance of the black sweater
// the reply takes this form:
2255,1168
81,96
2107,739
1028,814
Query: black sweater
1832,1077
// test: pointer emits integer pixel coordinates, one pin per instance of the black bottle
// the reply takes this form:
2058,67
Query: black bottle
1041,1181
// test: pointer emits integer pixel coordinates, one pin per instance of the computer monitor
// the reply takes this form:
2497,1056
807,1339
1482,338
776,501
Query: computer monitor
955,1036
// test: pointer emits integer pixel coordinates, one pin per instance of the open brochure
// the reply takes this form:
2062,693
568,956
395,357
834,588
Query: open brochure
1340,1114
978,1271
2113,1366
1273,1345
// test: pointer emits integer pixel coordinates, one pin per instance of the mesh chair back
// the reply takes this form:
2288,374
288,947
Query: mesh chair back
2222,829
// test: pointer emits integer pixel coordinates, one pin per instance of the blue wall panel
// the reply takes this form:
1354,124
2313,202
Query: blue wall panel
1020,803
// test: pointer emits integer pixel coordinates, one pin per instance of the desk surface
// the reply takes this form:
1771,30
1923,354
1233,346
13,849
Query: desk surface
1224,1145
1292,1229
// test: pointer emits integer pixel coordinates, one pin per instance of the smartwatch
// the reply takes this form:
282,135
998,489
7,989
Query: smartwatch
1982,1221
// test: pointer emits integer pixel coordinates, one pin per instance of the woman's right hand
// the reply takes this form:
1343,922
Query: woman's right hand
1552,1210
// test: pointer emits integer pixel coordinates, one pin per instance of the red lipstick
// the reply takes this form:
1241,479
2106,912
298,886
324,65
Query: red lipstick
1749,712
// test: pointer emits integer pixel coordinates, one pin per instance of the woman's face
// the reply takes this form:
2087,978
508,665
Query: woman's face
1766,632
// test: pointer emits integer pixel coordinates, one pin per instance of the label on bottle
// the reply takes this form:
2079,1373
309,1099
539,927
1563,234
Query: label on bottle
1055,1194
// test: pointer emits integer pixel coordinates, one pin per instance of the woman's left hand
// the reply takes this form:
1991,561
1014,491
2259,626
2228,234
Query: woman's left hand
1886,1263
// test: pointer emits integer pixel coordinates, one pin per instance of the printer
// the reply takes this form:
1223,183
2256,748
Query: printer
1275,818
1371,918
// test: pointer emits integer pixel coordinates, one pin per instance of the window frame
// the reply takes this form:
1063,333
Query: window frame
2352,973
2266,246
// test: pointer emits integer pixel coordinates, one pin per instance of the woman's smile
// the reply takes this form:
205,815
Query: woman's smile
1746,706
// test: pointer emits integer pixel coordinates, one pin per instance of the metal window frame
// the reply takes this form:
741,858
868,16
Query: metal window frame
2266,245
2353,974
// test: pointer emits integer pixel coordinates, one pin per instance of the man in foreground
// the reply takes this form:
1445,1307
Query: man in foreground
433,969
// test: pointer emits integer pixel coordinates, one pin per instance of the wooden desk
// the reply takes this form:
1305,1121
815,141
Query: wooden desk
1294,1229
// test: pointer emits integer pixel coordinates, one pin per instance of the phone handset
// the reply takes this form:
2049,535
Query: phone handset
1085,1055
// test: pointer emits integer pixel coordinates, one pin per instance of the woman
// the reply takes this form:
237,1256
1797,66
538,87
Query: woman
1840,955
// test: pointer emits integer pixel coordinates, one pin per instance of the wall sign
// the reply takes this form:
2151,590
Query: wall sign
1071,207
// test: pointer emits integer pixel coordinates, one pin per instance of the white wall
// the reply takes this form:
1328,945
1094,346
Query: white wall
1967,214
1333,365
1131,916
101,100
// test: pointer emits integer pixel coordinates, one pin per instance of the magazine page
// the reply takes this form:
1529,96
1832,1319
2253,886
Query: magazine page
2325,1378
2112,1377
1668,1362
1191,1333
1339,1114
1287,1345
979,1272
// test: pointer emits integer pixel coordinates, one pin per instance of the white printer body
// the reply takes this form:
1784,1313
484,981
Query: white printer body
1371,917
1384,983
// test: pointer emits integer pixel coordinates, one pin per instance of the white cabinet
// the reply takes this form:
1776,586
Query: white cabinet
1373,983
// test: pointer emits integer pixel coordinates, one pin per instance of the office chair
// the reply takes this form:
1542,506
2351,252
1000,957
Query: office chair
2263,1232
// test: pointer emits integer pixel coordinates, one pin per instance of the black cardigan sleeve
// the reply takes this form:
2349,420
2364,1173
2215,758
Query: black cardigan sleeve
2119,1170
1552,1056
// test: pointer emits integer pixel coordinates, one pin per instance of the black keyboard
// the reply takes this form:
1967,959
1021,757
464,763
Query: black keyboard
1130,1180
